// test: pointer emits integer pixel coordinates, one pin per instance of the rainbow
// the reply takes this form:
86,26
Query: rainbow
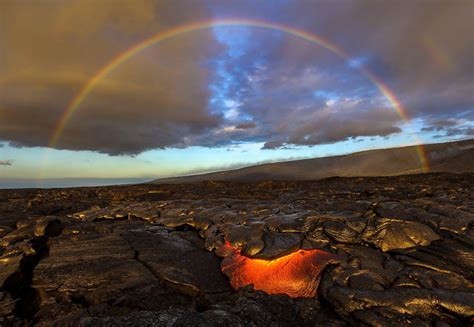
171,33
437,53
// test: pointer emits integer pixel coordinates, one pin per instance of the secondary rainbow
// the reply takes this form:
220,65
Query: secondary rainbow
171,33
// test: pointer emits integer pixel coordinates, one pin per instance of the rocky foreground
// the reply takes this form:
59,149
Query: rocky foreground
401,248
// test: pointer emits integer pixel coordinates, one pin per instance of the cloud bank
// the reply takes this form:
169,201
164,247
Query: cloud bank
222,86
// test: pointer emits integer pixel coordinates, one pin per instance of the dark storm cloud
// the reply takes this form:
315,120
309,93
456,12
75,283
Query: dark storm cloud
337,128
441,124
330,127
450,127
118,118
285,90
246,125
270,145
154,100
455,131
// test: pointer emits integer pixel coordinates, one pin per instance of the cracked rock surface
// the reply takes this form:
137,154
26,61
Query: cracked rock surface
151,255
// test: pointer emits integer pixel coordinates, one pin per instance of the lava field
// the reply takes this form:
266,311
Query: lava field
334,252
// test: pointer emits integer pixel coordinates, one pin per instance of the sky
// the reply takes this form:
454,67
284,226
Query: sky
224,97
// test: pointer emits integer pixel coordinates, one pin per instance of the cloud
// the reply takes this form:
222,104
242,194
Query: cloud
449,127
6,162
269,86
457,132
335,129
305,103
327,127
429,70
246,125
270,145
154,100
440,124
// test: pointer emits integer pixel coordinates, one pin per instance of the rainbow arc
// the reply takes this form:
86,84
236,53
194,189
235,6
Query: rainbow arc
122,57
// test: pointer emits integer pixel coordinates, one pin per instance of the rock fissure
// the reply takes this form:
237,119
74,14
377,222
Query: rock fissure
19,283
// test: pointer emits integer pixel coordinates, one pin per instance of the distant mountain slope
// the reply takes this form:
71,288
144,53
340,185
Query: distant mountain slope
453,157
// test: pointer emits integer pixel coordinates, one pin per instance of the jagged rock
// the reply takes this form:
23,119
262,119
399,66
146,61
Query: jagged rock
4,230
390,234
95,214
164,318
80,272
17,235
440,279
404,303
214,239
316,238
365,280
365,259
48,227
9,264
441,256
404,281
340,232
145,211
248,238
200,223
279,244
7,305
286,223
177,261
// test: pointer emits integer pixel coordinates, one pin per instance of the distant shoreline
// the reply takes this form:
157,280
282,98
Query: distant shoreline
17,183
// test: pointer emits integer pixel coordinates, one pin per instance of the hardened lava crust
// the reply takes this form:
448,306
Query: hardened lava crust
374,251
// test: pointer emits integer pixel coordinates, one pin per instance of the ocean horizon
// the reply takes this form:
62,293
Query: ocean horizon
19,183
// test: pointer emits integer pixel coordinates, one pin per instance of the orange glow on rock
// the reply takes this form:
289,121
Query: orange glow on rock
296,274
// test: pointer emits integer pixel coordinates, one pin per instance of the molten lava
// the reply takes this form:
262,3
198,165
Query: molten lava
295,274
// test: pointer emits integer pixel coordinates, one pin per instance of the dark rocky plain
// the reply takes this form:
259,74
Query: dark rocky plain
144,255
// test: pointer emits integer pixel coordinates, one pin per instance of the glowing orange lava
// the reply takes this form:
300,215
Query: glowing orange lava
295,274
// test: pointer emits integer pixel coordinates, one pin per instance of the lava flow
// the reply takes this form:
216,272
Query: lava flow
296,274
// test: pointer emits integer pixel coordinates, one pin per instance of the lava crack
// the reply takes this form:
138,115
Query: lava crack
296,274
